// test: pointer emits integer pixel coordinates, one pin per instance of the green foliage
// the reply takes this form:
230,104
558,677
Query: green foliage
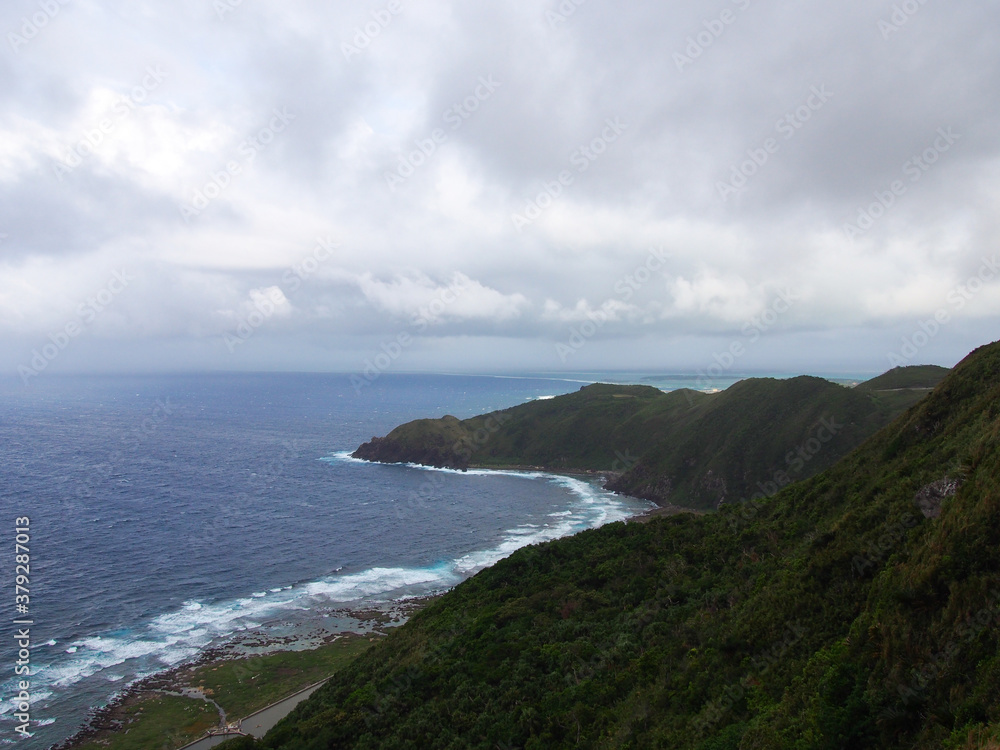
682,448
753,439
833,615
242,686
913,376
163,721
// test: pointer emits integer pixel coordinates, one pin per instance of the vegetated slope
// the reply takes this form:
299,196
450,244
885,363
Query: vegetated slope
913,376
901,387
857,609
599,427
684,448
753,439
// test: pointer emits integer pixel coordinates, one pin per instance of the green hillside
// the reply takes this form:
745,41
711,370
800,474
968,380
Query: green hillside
914,376
857,609
596,428
753,439
683,448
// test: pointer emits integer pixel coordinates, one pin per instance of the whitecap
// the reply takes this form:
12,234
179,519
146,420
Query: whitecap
179,635
343,456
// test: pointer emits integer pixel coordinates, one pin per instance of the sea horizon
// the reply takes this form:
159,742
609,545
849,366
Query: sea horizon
171,514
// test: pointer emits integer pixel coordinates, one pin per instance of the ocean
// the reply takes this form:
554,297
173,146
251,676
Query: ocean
172,514
169,514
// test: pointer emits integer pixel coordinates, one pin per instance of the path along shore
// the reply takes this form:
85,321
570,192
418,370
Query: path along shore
260,722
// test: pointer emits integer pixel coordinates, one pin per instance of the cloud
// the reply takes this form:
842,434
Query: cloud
115,117
461,298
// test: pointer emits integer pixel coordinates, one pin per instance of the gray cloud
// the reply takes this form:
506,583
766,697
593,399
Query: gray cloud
441,141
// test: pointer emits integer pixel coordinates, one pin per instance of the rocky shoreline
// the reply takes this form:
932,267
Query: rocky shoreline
179,681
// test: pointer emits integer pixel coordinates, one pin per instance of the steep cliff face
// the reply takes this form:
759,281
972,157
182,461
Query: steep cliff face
388,451
445,443
597,428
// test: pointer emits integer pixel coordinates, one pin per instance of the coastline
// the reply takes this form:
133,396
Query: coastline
221,682
660,510
145,700
606,477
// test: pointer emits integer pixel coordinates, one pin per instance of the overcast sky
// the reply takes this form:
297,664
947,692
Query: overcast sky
497,186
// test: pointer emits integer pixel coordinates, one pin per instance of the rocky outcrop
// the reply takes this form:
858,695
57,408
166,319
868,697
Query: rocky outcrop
649,486
387,450
929,498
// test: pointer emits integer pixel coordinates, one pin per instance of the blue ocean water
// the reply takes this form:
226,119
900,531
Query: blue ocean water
170,513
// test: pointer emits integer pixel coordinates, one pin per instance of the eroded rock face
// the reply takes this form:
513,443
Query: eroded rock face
388,451
644,485
929,498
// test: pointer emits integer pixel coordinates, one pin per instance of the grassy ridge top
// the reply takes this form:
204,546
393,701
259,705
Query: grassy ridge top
683,448
855,609
753,439
587,430
914,376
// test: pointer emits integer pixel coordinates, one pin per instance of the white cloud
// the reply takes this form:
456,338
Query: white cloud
461,298
450,222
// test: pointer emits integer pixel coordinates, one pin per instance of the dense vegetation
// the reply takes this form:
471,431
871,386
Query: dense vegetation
857,609
914,376
753,439
683,448
898,387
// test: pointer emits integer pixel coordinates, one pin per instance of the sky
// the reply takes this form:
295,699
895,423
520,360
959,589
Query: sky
526,185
